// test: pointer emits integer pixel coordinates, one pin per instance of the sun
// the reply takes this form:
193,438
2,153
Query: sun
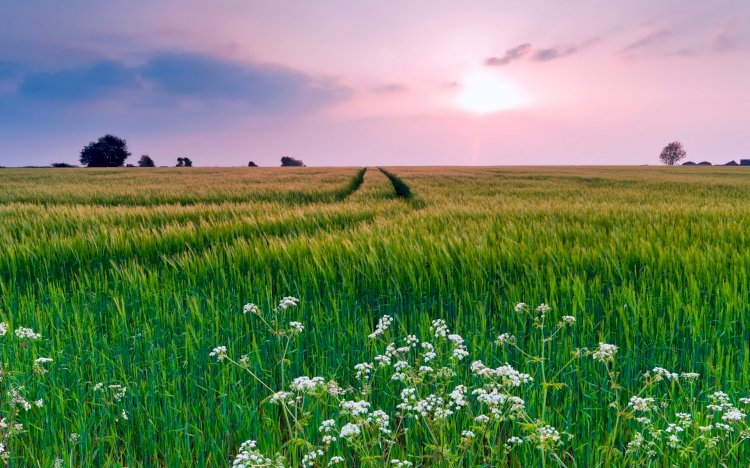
485,93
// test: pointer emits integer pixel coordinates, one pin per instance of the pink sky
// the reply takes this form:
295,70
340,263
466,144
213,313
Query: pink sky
377,83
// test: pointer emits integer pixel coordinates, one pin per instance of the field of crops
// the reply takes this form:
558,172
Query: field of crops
132,277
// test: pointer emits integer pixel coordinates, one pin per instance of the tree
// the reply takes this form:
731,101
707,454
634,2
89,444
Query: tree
288,161
184,162
252,164
146,161
62,164
108,151
672,153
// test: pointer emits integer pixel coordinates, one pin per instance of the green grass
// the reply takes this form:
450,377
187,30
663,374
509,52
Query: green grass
132,276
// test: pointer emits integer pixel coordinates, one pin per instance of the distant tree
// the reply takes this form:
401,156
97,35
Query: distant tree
672,153
288,161
108,151
252,164
146,161
129,165
184,162
63,165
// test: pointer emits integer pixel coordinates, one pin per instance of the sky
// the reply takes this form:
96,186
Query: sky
345,83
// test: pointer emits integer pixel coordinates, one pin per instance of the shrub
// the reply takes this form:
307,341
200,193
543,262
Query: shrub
146,161
288,161
108,151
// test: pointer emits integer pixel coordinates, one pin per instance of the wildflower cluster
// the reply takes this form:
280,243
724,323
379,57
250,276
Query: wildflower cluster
667,421
111,397
17,387
430,394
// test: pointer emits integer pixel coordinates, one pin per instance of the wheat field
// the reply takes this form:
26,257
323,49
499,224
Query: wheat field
133,276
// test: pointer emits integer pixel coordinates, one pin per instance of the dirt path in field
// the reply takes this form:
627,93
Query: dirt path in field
399,186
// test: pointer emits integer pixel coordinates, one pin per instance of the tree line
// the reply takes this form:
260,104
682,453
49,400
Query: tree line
112,151
675,152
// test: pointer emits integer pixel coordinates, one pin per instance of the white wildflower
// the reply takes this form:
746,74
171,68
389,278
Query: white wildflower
505,338
605,353
349,431
460,353
439,328
363,370
287,302
27,333
380,419
733,415
296,328
543,308
118,391
401,463
327,425
220,352
38,366
566,320
547,436
249,456
279,397
641,404
309,458
355,408
383,324
663,374
305,384
251,309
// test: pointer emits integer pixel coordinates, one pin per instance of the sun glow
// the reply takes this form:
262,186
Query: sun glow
485,93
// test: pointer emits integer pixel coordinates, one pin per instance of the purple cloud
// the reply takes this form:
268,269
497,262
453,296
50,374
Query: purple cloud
390,88
169,77
554,53
647,42
511,55
545,54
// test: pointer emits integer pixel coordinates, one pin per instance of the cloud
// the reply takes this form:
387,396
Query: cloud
684,52
545,54
647,42
91,81
511,55
264,87
170,79
557,52
728,37
390,88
